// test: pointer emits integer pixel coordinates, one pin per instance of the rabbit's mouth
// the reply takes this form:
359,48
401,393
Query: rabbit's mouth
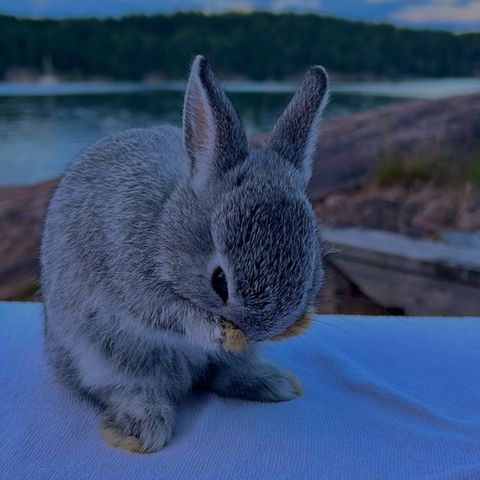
302,324
234,340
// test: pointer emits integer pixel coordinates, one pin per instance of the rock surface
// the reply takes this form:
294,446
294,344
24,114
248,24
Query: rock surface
351,145
425,211
21,216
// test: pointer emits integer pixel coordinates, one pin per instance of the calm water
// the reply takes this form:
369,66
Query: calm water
42,127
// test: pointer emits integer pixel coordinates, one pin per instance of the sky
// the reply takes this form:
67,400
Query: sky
459,15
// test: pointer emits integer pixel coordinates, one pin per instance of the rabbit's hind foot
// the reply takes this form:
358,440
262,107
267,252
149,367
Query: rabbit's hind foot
113,437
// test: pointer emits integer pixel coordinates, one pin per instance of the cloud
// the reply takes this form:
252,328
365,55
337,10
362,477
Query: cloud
282,5
226,5
450,11
380,1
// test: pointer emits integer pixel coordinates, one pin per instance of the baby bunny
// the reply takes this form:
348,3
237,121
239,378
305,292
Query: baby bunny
162,257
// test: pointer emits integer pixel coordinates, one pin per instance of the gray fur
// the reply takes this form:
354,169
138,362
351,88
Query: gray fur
295,136
133,233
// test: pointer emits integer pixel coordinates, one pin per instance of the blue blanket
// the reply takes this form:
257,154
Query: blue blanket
383,398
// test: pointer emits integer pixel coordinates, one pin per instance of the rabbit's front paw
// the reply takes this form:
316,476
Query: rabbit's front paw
277,386
136,435
259,382
233,339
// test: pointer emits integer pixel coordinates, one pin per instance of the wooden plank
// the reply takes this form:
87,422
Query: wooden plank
418,276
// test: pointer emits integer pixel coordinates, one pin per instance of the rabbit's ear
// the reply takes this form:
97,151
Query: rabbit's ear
214,137
296,133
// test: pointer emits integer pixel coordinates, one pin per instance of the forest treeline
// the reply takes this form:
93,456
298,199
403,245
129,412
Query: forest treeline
256,45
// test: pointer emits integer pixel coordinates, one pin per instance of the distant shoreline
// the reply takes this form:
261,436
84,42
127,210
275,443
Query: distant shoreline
421,88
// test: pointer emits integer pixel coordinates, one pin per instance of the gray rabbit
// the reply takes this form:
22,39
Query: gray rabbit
167,260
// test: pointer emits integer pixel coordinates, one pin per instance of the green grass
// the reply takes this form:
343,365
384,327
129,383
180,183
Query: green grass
413,170
473,171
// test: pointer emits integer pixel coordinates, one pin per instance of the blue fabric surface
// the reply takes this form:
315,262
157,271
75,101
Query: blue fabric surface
383,398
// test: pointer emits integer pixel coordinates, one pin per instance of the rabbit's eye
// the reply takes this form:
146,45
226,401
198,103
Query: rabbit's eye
219,283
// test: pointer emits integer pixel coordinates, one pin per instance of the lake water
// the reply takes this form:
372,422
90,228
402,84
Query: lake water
43,126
